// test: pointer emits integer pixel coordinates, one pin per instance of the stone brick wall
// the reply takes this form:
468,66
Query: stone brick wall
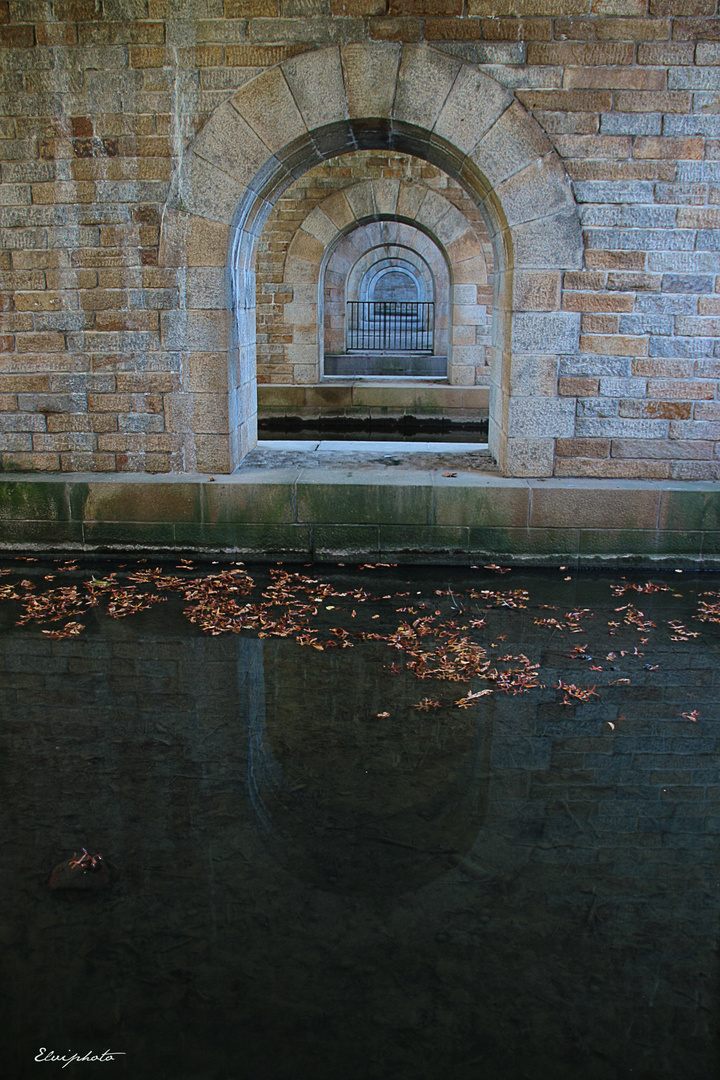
100,100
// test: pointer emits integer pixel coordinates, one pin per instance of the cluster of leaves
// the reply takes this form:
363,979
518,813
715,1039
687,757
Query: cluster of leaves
709,610
571,691
433,644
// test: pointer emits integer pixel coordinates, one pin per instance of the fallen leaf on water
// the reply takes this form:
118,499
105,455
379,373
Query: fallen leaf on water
570,690
71,629
427,704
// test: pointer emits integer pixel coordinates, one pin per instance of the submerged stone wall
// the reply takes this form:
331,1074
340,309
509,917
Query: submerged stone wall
102,99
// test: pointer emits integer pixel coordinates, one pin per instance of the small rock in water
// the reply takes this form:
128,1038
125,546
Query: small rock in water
88,872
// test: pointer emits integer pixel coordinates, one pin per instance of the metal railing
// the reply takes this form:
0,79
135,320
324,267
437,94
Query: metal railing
390,326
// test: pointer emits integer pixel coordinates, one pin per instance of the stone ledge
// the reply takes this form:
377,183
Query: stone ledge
326,514
363,399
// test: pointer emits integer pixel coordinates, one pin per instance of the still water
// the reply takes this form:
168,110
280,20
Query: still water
332,855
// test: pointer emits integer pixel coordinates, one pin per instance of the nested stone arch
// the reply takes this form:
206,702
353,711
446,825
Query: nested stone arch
354,251
364,281
398,211
413,99
395,279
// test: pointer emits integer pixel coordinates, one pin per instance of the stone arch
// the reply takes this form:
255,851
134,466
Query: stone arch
414,99
399,281
392,206
363,281
347,259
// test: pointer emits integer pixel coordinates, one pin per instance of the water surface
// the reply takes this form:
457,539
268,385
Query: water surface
318,871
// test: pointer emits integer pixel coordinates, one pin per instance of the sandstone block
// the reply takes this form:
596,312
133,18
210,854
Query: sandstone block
682,390
452,29
425,79
473,105
581,54
692,148
644,470
656,101
613,29
536,290
613,78
578,386
401,29
583,448
316,82
585,101
370,73
597,302
661,449
516,29
614,345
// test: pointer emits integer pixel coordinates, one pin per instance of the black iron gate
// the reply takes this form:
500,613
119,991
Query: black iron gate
390,326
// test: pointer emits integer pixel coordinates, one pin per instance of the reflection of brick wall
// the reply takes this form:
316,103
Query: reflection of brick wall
291,209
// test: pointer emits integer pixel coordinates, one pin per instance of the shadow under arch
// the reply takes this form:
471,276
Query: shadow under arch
374,96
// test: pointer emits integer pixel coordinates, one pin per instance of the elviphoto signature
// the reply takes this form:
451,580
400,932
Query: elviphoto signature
49,1055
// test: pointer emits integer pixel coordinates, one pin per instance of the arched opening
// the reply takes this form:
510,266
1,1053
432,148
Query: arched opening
398,284
411,99
392,318
385,289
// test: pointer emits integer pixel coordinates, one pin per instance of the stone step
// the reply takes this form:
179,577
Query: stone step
402,364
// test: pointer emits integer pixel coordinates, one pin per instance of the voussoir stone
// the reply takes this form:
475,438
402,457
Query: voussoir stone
269,107
370,77
425,79
206,192
228,142
514,141
316,83
552,243
319,225
472,107
538,190
385,195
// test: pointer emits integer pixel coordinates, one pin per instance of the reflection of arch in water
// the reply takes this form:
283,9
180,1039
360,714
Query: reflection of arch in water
409,98
333,804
